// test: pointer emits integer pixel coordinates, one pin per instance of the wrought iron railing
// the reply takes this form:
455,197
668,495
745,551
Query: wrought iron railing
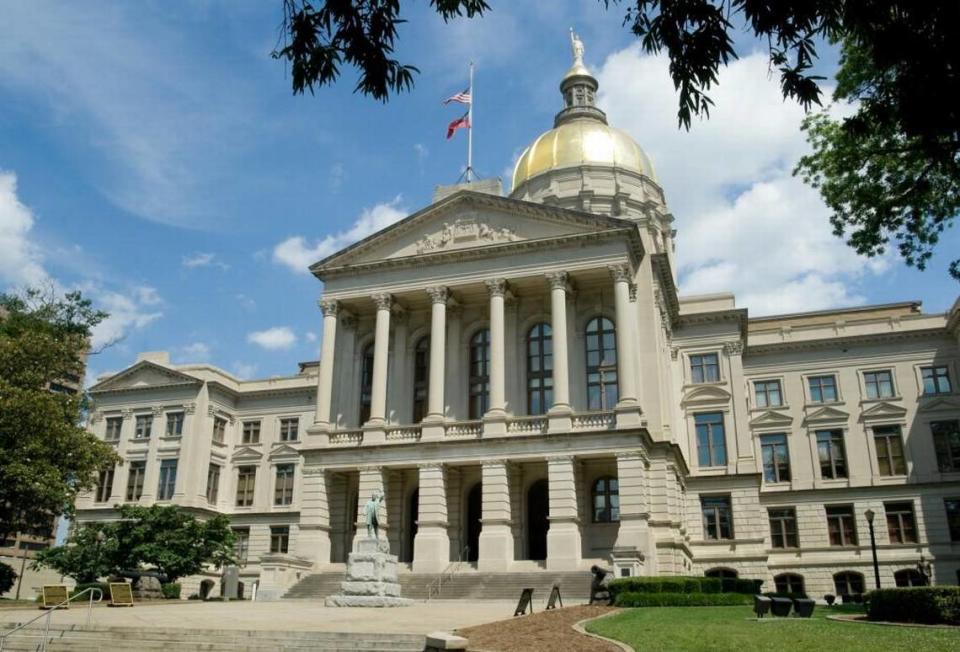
49,612
436,586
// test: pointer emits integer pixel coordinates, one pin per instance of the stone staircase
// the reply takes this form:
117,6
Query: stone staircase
467,584
79,639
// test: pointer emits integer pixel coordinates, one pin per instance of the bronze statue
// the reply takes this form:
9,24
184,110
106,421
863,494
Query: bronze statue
598,586
372,511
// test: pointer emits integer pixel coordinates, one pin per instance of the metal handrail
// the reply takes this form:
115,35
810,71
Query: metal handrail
49,612
450,571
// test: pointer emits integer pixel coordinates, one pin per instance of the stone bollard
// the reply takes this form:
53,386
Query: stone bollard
443,641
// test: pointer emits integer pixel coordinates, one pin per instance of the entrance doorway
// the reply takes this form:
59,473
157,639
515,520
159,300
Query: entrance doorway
474,514
413,513
538,507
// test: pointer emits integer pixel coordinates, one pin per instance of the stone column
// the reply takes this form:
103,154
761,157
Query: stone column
431,546
432,428
378,394
371,479
560,411
496,537
495,421
633,548
563,537
313,538
742,458
328,348
454,379
628,408
400,377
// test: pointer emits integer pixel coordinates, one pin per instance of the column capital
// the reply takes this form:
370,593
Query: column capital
329,307
496,462
558,280
733,348
497,287
631,456
557,459
383,300
620,272
438,293
427,466
310,470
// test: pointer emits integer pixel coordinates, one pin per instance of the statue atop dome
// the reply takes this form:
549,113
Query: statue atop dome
577,46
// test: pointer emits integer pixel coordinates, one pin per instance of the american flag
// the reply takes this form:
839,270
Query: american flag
463,97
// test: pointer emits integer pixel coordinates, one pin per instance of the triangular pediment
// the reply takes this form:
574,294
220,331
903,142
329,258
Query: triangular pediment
826,414
469,220
144,374
938,404
246,454
706,394
284,452
771,418
883,410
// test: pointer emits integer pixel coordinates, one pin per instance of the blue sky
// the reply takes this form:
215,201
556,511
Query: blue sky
152,154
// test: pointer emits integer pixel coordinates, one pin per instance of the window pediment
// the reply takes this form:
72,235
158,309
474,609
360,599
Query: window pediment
143,375
246,454
826,415
883,410
695,395
284,452
938,404
771,418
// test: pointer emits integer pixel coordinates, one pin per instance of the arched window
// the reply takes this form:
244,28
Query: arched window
421,378
366,383
479,373
539,369
848,583
606,500
727,577
602,391
789,583
909,577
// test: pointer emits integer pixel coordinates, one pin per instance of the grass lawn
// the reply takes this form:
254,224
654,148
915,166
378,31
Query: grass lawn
727,628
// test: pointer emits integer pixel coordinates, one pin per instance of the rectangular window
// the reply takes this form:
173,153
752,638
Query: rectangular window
114,426
174,424
952,505
219,429
168,479
783,527
705,368
901,525
283,491
135,480
246,482
936,380
823,389
279,539
776,458
711,440
879,384
889,444
717,517
251,432
289,429
841,526
213,483
144,424
241,543
832,454
946,443
768,393
104,485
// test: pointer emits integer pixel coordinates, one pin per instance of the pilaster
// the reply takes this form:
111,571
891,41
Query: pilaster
563,537
313,538
634,547
431,546
496,538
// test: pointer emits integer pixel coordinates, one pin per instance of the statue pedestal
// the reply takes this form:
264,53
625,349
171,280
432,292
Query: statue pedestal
371,578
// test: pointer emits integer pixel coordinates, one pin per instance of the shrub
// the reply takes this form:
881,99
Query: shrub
639,599
7,577
711,584
91,585
171,591
922,604
750,587
681,584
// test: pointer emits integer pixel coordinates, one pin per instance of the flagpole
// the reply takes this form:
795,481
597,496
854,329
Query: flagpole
470,130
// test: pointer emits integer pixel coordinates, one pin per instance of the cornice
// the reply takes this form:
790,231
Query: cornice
261,393
144,388
830,342
664,277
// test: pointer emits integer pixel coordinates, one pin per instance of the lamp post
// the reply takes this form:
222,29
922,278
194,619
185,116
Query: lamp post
873,547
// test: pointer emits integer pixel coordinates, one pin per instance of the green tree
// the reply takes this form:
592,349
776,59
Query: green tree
89,554
46,456
901,65
8,577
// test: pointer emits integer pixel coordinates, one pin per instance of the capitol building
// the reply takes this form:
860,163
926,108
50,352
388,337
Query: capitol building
521,378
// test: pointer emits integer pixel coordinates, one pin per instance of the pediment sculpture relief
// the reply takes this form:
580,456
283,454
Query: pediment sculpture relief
464,231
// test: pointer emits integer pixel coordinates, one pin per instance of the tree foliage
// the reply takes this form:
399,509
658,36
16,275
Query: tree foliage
8,577
160,537
46,456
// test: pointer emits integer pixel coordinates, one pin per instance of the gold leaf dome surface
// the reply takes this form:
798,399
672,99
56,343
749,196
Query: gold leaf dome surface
581,142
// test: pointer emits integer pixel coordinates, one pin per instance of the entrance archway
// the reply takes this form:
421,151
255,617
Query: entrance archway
474,514
538,508
413,513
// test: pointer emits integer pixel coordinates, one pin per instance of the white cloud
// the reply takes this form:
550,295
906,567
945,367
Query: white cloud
243,371
278,337
195,352
247,303
337,175
203,259
21,263
297,254
745,223
310,336
128,311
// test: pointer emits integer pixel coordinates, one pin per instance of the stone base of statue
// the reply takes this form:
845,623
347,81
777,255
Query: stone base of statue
371,578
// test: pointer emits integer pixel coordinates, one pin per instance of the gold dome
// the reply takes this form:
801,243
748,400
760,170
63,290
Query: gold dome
581,142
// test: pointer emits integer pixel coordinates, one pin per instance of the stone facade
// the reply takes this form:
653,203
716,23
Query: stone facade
520,377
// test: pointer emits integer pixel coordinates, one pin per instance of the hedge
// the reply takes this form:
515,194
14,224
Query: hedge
680,584
171,591
930,605
639,599
789,596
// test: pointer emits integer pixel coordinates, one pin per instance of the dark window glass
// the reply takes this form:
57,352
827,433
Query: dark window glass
776,458
603,390
279,539
832,454
143,426
879,384
908,577
290,429
539,369
901,525
789,583
841,526
783,527
479,373
219,429
705,368
768,393
174,424
246,483
251,432
241,543
717,517
952,506
366,383
606,500
283,491
135,480
848,583
213,483
936,380
946,443
823,389
889,444
168,479
421,378
711,440
104,485
114,426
